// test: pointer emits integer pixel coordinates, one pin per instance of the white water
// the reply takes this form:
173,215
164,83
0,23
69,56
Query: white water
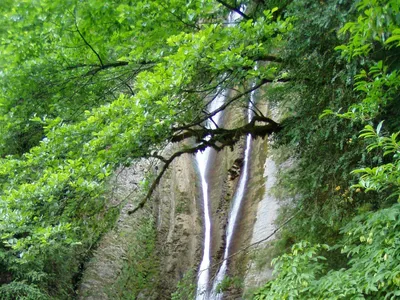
202,159
202,162
237,201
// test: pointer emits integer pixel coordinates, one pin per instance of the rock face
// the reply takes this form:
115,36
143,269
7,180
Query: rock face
108,258
223,179
178,222
259,270
252,216
251,264
177,211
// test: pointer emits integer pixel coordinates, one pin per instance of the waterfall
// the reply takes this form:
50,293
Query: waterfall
202,162
202,159
236,204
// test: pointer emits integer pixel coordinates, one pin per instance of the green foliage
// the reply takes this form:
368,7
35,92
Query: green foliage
60,58
384,176
295,272
21,290
185,289
228,283
371,239
139,274
89,86
371,242
325,150
378,22
363,90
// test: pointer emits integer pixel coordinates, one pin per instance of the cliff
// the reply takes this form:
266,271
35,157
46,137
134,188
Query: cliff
175,213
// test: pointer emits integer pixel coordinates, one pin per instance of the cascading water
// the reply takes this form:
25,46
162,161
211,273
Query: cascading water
237,201
202,159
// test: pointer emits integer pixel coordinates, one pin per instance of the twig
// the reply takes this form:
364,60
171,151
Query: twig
229,102
85,41
252,245
167,162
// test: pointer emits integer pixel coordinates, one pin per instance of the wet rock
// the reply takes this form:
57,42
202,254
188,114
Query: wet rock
234,171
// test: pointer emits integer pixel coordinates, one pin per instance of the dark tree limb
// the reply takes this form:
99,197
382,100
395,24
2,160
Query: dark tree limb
237,10
77,66
86,42
167,163
224,135
227,103
218,139
107,66
156,155
270,58
97,68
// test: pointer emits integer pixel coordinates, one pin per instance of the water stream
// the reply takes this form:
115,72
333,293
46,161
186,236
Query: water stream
202,159
236,204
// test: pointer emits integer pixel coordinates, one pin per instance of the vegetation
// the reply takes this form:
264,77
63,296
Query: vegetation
139,275
186,288
88,86
362,261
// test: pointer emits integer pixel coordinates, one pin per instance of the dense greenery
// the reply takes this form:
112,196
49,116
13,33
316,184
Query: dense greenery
365,207
140,273
88,86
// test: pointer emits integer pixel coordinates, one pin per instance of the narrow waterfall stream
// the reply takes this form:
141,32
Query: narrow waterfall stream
202,159
236,204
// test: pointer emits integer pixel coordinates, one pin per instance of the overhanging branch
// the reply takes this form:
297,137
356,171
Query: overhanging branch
218,139
107,66
86,42
223,135
269,58
199,121
167,163
237,10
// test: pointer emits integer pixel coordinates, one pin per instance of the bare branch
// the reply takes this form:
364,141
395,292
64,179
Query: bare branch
86,42
237,10
270,58
219,138
160,175
222,135
107,66
227,103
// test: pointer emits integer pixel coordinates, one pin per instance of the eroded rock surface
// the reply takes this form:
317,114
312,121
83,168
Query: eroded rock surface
108,258
174,210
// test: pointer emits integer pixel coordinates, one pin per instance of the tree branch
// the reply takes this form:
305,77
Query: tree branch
224,135
227,103
107,66
86,42
218,139
179,18
167,163
270,58
237,10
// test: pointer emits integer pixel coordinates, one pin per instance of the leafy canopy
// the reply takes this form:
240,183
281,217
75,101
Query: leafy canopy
371,239
88,86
